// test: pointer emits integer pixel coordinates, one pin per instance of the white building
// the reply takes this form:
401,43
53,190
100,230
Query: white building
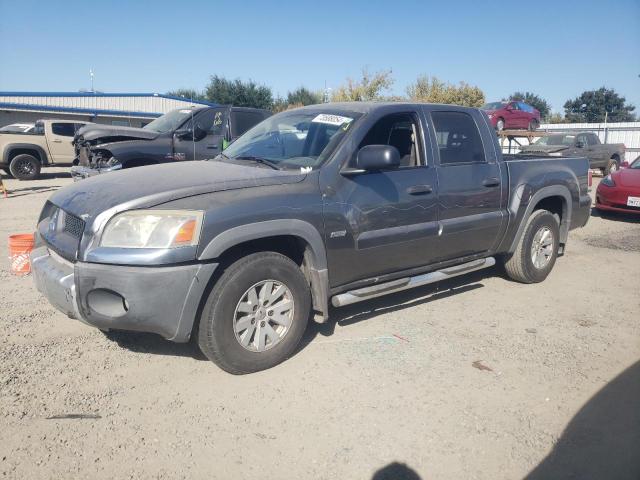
125,109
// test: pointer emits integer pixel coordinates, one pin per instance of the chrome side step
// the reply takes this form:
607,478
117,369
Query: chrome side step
374,291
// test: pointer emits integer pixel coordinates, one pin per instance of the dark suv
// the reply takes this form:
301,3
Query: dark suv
195,133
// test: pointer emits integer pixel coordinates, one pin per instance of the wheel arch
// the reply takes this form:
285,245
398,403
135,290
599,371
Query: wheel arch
556,199
15,149
270,235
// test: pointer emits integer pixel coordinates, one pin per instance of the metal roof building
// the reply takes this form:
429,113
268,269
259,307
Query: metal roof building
129,109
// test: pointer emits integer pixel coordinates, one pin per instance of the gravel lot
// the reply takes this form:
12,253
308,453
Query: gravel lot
479,378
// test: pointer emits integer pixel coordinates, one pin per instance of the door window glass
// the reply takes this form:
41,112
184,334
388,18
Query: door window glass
592,139
398,130
63,129
458,138
242,121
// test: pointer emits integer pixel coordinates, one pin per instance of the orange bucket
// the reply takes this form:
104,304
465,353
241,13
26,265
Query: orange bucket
20,247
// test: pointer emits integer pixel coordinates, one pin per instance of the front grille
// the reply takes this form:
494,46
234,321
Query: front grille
73,225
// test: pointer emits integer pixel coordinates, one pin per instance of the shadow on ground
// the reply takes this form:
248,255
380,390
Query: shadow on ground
616,216
357,312
20,192
396,471
345,316
154,344
603,438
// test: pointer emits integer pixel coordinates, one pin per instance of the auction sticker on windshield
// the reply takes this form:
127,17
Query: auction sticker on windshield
331,119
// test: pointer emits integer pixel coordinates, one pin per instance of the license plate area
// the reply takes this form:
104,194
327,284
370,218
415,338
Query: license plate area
633,201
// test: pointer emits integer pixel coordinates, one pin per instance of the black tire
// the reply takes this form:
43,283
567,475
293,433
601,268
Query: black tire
25,167
500,124
533,125
216,333
520,266
612,166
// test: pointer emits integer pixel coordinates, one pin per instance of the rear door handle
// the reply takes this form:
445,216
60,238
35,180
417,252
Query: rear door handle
212,147
419,190
491,182
57,141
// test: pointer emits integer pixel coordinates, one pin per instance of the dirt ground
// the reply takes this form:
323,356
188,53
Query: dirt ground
478,378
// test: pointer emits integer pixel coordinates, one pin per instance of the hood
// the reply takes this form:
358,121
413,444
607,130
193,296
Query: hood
543,148
627,177
111,133
145,187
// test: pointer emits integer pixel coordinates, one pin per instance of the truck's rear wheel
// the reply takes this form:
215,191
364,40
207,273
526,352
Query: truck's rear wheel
255,314
537,249
25,167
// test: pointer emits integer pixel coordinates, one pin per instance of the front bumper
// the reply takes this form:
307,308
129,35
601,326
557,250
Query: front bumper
80,172
162,300
614,199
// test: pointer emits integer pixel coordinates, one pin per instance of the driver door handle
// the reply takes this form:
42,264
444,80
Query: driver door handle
212,147
491,182
419,190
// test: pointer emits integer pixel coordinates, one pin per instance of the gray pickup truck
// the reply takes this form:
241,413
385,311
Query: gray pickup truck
606,157
327,204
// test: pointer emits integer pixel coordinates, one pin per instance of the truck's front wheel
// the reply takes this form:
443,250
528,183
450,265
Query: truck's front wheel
537,249
256,313
25,167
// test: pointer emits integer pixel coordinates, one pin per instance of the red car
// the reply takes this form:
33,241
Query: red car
620,191
512,115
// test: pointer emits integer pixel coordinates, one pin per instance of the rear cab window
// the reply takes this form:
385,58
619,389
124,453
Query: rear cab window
63,129
242,121
458,138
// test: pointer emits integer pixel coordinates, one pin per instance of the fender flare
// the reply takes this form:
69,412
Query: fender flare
546,192
44,158
316,253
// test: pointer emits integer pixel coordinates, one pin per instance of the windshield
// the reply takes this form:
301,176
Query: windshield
295,138
170,121
556,140
493,106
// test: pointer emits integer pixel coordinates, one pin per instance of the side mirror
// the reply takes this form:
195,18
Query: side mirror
624,165
509,108
377,157
579,144
183,133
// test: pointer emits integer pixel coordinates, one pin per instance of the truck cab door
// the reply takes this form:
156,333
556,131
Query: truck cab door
59,137
470,185
382,221
186,147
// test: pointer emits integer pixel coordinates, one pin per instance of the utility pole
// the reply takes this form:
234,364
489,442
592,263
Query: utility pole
91,76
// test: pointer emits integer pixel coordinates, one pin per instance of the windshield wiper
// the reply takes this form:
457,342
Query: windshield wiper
260,160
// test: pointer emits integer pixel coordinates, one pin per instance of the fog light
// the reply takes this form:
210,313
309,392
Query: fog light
108,303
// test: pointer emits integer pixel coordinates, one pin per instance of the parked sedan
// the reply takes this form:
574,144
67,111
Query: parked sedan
512,115
620,191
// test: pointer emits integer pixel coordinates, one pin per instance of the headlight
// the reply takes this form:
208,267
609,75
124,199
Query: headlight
153,229
608,181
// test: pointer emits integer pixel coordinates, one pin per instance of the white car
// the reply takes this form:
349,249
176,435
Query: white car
18,128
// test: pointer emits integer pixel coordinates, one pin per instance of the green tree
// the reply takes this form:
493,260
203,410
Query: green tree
238,93
433,90
369,88
556,118
190,93
590,107
534,100
304,96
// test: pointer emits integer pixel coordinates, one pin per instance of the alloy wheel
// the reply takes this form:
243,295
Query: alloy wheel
263,315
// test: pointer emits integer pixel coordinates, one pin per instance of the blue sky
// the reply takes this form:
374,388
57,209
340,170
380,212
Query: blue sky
556,49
